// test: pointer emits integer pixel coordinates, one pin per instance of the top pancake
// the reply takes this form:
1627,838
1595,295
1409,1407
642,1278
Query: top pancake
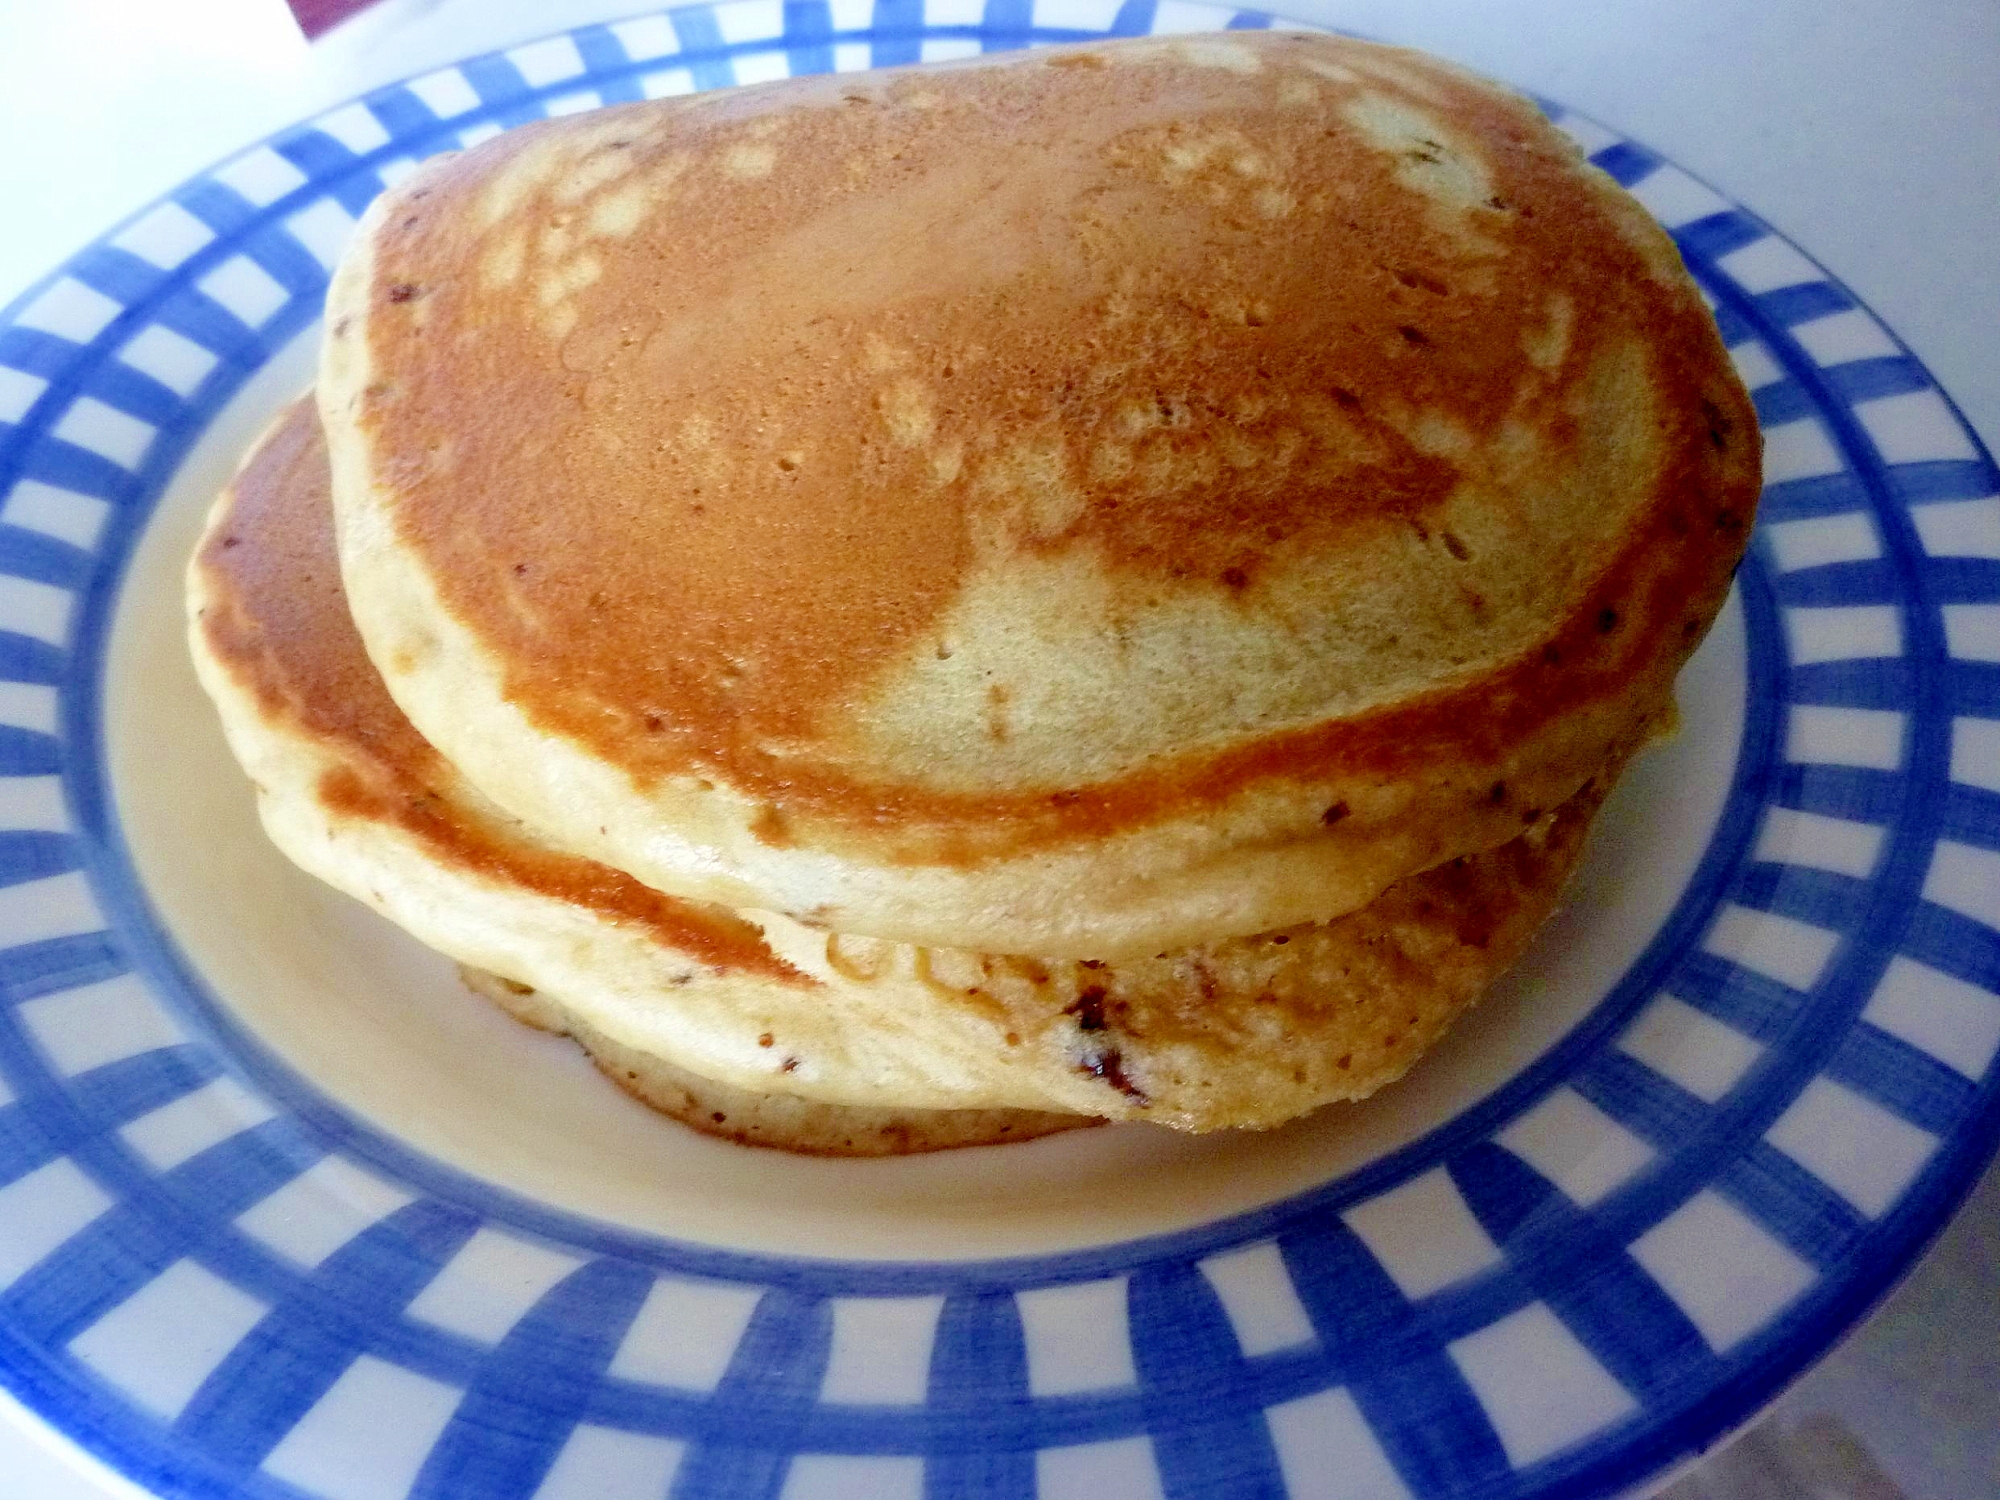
1076,504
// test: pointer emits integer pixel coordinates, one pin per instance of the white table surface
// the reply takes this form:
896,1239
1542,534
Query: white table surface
1868,132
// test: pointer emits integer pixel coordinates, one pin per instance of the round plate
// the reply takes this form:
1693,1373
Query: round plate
283,1214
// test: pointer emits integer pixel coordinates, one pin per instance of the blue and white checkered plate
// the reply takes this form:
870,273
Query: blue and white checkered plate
284,1213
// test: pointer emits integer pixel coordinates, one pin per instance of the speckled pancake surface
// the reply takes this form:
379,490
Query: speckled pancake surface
686,1003
1080,503
783,1122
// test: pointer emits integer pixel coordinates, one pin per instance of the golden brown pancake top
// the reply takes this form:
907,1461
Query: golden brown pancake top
277,619
705,418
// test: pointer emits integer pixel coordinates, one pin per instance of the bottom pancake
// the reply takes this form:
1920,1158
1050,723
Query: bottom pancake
1247,1031
782,1122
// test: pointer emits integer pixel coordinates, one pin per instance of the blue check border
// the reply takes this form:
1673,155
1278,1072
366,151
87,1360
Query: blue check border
1198,1406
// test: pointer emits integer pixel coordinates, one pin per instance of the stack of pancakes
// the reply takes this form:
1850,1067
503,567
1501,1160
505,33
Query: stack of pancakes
917,608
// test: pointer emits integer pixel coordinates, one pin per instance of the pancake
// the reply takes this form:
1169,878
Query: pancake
782,1122
1082,504
701,1010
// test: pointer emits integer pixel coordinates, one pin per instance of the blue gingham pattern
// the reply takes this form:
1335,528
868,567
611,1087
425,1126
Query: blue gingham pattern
226,1287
